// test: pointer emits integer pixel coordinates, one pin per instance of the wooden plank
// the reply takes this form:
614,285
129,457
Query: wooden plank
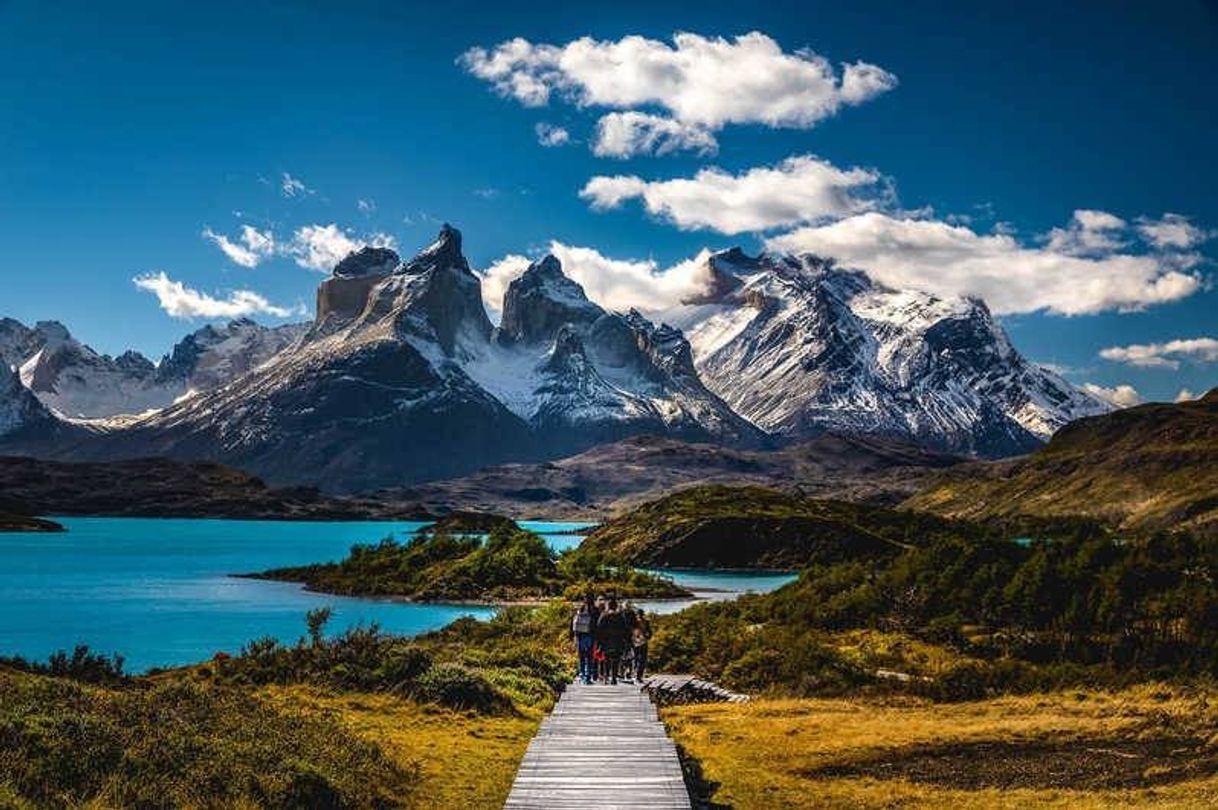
601,747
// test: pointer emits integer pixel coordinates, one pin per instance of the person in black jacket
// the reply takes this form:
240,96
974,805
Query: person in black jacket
612,634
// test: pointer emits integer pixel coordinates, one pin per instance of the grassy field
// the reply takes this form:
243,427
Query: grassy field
1152,746
459,759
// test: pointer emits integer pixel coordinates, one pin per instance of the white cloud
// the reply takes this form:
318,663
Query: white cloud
180,301
550,135
1089,233
704,82
1164,355
366,206
320,247
1172,232
949,259
1185,395
1122,396
624,134
801,189
616,284
486,193
293,187
253,245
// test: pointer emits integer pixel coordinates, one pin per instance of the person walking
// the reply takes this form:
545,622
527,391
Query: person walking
639,636
612,634
583,629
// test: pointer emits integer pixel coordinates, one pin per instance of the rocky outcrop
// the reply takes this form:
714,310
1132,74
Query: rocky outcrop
541,301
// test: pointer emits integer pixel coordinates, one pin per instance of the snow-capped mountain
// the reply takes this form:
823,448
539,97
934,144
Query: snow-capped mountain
579,374
799,347
78,382
402,377
373,393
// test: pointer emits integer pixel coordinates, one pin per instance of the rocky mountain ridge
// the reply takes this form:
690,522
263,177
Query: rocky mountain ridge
78,382
402,377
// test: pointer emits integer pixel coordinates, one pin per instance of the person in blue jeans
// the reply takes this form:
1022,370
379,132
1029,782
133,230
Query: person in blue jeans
583,628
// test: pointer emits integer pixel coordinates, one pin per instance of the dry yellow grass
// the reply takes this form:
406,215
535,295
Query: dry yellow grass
764,755
464,760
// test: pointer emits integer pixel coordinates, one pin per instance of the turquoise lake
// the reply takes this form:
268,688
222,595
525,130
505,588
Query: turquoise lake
159,591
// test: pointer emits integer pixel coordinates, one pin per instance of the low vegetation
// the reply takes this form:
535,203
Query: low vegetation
1138,470
361,719
510,564
1149,746
180,743
754,527
965,617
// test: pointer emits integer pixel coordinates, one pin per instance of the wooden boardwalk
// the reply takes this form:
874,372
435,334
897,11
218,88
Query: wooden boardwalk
602,747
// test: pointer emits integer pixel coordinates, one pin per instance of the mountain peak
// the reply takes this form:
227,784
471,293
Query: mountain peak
445,251
367,261
722,270
541,300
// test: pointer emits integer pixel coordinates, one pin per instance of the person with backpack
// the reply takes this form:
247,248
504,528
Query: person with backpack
611,635
639,636
583,628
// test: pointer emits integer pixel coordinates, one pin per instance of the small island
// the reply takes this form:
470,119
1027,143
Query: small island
24,523
509,565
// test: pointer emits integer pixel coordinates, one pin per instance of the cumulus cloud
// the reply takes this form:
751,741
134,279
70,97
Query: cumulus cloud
550,135
1164,355
702,82
950,259
1088,233
1185,395
1172,232
320,247
616,284
623,134
251,247
180,301
799,190
1121,396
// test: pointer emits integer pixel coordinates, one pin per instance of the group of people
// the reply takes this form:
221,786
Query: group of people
611,640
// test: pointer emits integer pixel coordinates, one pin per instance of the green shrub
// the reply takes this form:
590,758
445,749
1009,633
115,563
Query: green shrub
457,687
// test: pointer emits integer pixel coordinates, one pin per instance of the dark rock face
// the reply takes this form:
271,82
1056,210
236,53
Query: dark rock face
343,299
20,410
541,301
367,261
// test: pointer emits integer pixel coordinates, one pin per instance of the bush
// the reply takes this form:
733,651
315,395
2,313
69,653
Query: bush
457,687
180,744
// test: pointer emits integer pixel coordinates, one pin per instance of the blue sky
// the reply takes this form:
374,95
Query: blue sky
131,130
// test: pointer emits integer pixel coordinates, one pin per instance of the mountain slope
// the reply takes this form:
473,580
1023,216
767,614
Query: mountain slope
81,383
580,375
163,488
20,410
799,346
371,394
752,527
1140,469
611,478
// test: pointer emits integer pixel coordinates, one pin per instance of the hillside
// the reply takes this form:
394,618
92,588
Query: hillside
510,564
611,478
154,487
1140,469
753,527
